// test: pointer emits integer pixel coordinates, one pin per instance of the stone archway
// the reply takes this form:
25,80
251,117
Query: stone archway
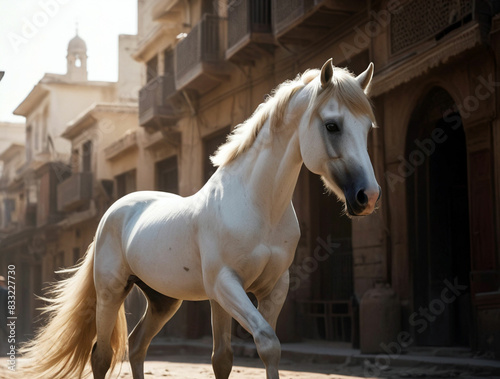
438,223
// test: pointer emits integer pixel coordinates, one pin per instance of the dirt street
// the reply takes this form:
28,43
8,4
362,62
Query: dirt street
199,367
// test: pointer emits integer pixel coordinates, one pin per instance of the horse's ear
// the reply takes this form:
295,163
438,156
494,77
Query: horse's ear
365,77
326,73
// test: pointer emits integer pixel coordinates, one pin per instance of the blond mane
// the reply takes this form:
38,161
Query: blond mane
344,88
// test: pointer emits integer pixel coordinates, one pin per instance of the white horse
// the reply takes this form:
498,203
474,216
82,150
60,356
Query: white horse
237,235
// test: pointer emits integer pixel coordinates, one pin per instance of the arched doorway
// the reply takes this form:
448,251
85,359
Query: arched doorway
437,187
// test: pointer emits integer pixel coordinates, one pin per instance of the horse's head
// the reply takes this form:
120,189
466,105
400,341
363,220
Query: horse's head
333,137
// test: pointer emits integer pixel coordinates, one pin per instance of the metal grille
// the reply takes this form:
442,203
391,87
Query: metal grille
286,12
202,44
151,94
260,16
168,86
417,21
156,92
247,16
238,25
74,190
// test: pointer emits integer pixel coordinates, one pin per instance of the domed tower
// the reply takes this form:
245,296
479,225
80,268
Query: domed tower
77,59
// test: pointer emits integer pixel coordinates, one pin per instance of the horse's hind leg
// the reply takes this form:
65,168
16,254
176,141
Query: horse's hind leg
222,355
111,293
159,310
112,287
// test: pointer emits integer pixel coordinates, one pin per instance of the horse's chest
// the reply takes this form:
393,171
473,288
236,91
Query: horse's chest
256,250
263,263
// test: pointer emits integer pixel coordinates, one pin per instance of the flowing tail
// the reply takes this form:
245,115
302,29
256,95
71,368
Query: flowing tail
62,348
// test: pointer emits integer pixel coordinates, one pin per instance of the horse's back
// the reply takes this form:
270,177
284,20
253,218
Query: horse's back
125,211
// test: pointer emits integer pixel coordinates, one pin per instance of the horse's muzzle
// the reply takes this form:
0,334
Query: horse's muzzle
362,202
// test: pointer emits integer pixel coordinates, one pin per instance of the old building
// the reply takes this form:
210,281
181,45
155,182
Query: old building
207,65
88,188
47,179
11,132
12,158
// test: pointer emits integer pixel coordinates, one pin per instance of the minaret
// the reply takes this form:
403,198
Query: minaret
77,59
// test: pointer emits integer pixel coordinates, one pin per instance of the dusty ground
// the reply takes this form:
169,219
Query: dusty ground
199,367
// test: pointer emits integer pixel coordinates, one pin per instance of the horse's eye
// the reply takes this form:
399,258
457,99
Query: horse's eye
332,127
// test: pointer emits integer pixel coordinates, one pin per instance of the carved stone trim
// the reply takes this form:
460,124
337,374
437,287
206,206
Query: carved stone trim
419,64
117,148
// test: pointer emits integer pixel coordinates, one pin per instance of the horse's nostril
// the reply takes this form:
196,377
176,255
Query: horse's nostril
361,198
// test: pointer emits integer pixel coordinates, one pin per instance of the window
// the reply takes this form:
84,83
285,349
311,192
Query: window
152,68
126,183
167,175
75,164
169,62
58,264
43,133
9,207
36,136
58,261
76,255
29,142
87,156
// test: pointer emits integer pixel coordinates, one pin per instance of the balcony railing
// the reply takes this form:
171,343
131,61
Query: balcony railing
314,17
287,12
154,108
248,21
200,55
74,191
419,21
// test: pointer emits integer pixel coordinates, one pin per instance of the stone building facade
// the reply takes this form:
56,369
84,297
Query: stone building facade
207,65
48,181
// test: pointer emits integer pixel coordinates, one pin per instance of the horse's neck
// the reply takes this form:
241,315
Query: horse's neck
270,170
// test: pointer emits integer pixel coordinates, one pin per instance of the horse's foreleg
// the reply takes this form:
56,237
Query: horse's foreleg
229,293
222,355
270,304
159,310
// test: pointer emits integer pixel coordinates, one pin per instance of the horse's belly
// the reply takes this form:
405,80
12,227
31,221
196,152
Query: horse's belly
171,267
184,283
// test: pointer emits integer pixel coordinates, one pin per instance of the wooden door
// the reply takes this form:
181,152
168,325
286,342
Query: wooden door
439,232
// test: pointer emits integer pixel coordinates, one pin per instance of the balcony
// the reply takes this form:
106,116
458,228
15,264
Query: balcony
417,22
199,57
249,30
157,107
74,191
302,21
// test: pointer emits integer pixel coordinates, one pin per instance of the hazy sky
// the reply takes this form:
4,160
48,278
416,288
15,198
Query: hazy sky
34,36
